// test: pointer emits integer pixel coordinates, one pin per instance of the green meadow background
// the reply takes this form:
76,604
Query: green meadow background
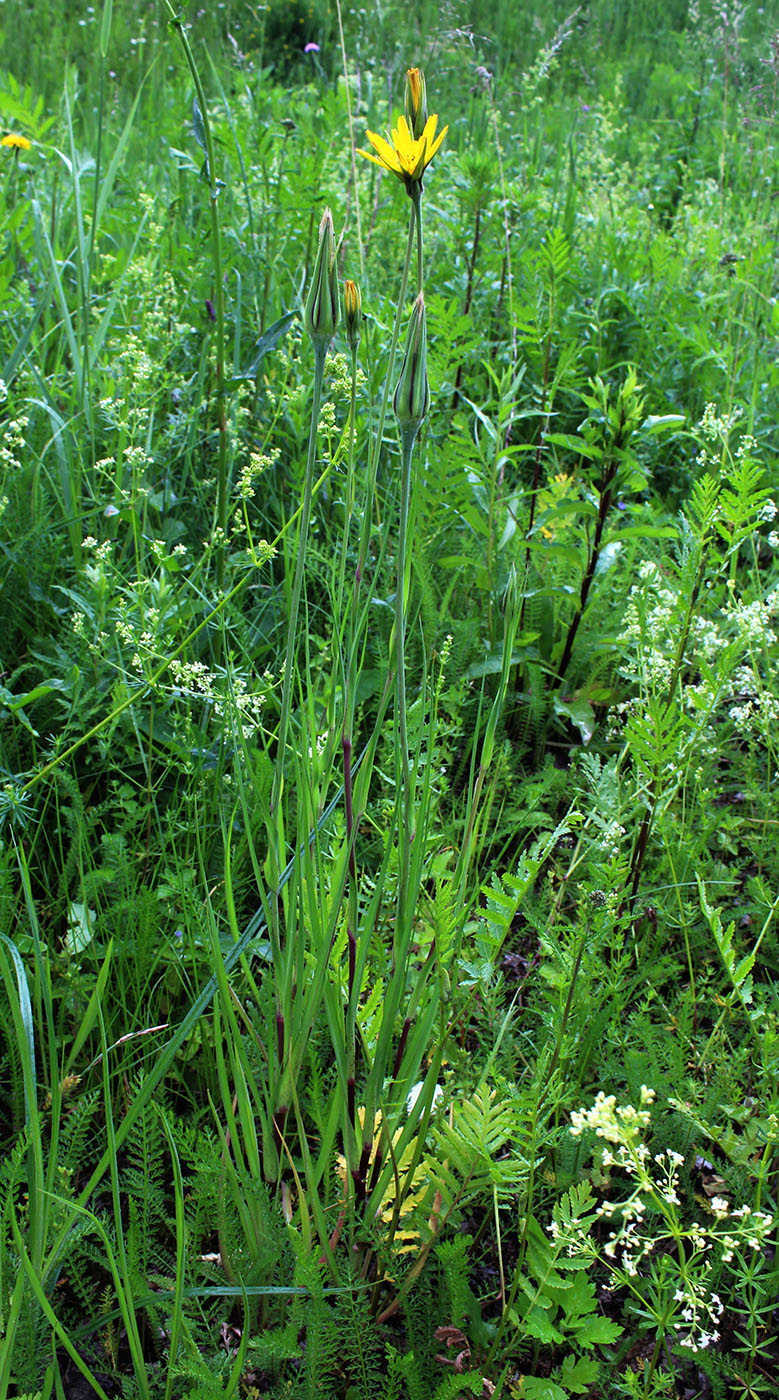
388,844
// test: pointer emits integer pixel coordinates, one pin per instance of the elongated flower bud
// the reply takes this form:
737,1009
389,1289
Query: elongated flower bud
416,101
322,302
412,396
352,313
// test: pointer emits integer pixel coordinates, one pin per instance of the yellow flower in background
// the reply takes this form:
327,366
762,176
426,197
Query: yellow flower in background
557,505
414,1190
19,143
408,157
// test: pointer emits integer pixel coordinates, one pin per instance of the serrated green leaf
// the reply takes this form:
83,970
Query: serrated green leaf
538,1388
579,1373
597,1331
578,1298
537,1325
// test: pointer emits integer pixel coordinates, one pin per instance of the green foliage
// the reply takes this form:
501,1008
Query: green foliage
346,853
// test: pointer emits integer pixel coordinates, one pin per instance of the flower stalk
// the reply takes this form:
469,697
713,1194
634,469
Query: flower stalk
321,320
411,403
219,303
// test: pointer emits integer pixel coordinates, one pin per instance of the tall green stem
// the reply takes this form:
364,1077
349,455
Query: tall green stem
416,199
379,434
219,305
406,803
355,643
320,351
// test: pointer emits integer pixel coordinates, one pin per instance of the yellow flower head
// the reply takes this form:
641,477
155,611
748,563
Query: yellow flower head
20,143
408,157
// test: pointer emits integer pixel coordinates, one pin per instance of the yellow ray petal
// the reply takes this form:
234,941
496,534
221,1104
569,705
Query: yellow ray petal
432,150
370,156
384,150
406,134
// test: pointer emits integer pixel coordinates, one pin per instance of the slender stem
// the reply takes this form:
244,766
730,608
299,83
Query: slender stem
458,378
402,762
544,421
347,90
348,491
320,351
592,563
415,192
277,845
639,851
355,642
379,435
403,767
219,305
354,639
350,1143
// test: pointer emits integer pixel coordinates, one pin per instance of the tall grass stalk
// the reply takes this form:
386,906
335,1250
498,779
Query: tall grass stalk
205,139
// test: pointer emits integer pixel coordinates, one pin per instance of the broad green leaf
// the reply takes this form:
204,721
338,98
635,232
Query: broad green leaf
597,1331
575,444
538,1388
660,423
579,1373
81,928
580,713
536,1324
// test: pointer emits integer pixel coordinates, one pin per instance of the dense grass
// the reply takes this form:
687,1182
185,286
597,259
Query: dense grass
388,862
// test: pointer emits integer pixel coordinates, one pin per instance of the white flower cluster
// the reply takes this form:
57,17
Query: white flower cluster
751,1232
730,661
648,632
13,442
700,1314
618,1124
338,373
227,695
573,1235
647,1220
716,426
258,463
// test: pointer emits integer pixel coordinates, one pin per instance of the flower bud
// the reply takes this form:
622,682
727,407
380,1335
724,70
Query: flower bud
322,303
416,102
352,313
412,396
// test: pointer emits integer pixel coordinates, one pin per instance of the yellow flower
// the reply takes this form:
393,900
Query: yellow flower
20,143
407,157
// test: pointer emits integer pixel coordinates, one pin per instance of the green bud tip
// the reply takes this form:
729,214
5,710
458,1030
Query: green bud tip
321,314
412,396
416,101
352,312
